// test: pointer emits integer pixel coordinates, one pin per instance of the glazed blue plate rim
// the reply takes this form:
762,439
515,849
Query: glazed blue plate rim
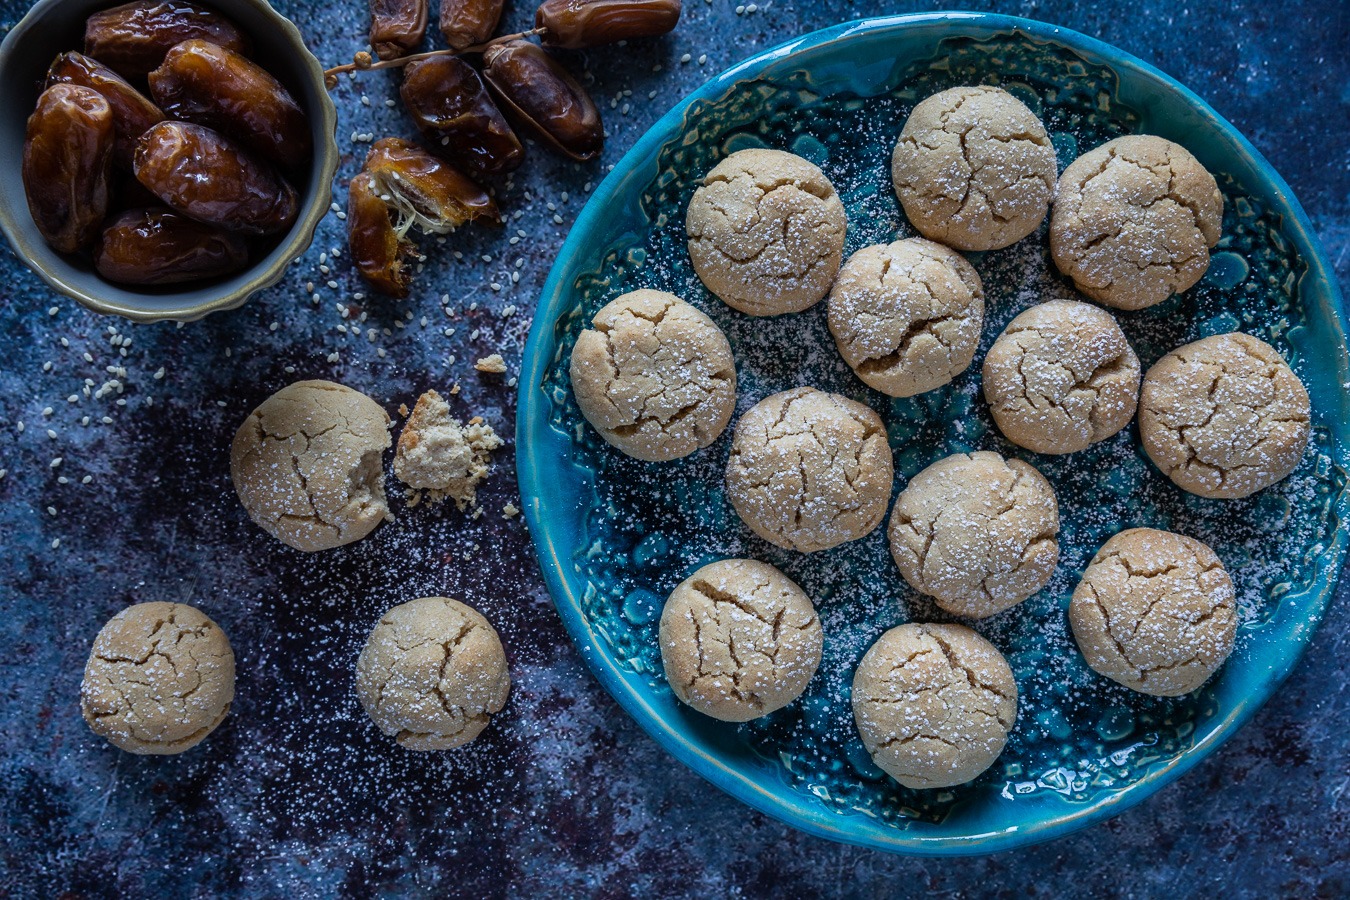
783,802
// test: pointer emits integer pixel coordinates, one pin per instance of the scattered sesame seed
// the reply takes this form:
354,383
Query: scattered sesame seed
53,310
56,542
86,479
55,463
159,374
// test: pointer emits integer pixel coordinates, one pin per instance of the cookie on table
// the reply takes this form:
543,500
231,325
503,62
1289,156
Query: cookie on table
654,376
1225,416
1134,221
1155,611
766,232
432,674
307,465
906,316
810,470
974,168
934,704
160,678
976,532
1061,377
739,639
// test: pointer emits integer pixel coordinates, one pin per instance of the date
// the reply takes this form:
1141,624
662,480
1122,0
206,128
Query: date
133,113
454,112
397,26
67,158
466,23
427,191
160,246
133,39
538,93
205,83
206,176
381,255
578,24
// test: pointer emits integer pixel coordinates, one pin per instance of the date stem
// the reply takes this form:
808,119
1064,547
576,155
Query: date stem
364,61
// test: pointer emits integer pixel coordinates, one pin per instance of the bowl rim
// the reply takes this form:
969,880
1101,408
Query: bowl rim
298,240
623,686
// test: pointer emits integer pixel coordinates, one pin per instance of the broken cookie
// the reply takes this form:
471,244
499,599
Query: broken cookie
440,458
1155,612
739,639
307,466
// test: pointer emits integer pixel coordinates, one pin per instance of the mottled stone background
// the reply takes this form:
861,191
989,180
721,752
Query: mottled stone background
297,795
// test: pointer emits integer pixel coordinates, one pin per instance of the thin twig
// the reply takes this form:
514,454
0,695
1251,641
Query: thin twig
363,60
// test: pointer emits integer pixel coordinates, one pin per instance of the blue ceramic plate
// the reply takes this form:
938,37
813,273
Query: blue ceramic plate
615,535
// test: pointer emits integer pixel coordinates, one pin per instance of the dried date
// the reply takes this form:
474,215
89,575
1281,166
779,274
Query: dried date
381,255
578,24
160,246
540,94
132,39
67,157
466,23
452,108
133,113
209,85
206,176
397,26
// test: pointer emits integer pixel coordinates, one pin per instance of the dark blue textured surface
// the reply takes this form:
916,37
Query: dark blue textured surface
297,795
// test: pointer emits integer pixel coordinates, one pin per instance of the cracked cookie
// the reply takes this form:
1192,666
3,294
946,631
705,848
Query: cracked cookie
432,674
439,457
976,532
654,376
1155,611
934,704
1134,221
739,639
766,232
810,470
306,465
160,678
1061,377
974,169
906,316
1224,417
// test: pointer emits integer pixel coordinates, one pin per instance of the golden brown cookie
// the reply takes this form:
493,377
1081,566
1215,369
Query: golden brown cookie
766,232
976,532
1155,612
906,316
739,639
974,168
654,376
1061,377
1134,221
432,674
810,470
1224,416
307,465
160,678
934,704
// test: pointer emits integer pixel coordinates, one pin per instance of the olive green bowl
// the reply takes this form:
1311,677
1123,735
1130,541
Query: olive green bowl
54,26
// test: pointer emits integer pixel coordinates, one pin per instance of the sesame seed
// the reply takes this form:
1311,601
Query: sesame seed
53,310
159,374
55,463
56,542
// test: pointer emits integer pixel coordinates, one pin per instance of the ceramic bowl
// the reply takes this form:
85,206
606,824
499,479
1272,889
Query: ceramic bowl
54,26
614,536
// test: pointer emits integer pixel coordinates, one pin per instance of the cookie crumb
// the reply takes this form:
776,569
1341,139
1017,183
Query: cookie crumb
493,364
439,458
510,511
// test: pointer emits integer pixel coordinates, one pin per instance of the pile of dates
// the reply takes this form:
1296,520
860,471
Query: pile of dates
178,186
468,115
